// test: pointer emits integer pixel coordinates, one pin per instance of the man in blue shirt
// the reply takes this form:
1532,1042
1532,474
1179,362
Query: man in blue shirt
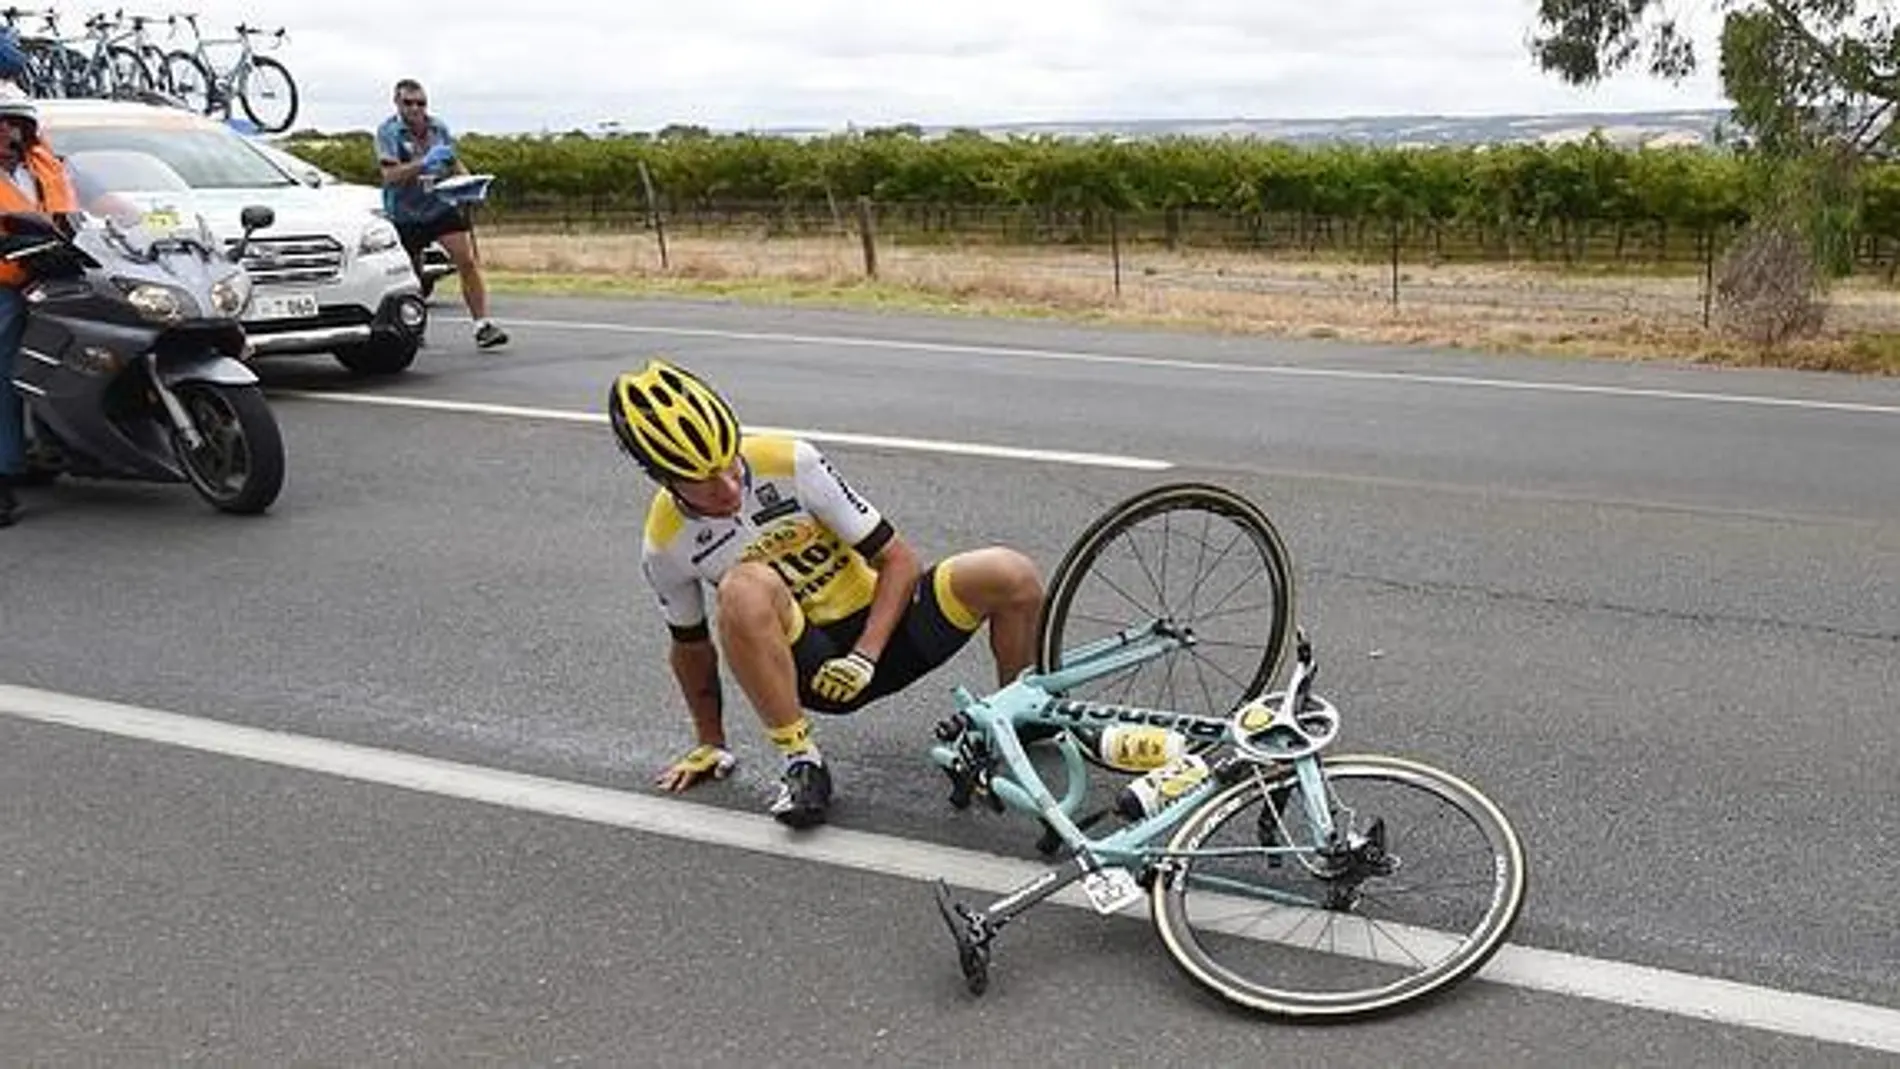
414,149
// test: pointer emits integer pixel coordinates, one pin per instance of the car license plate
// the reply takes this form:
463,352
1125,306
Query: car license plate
282,306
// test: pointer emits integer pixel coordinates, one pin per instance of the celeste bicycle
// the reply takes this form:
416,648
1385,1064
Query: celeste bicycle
1286,878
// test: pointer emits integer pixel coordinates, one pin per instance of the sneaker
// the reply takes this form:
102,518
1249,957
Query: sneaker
488,335
804,794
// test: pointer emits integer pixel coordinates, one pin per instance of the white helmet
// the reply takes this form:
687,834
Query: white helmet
17,103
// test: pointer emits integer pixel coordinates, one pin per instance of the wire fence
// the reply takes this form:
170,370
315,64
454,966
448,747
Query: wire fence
1554,276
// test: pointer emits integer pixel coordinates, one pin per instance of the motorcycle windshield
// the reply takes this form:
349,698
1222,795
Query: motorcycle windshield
136,196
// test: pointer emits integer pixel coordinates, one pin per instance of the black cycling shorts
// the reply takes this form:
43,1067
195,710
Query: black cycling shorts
926,636
416,236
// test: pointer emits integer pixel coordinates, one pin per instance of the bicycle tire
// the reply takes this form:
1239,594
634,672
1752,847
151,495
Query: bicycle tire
1168,897
41,75
125,66
1086,551
50,68
154,58
188,79
265,63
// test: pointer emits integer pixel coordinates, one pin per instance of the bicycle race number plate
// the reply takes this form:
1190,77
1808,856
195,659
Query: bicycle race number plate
282,306
1111,889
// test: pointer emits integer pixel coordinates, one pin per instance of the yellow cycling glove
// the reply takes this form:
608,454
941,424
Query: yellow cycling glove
843,678
701,762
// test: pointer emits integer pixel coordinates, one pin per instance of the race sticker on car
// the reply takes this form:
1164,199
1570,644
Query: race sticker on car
163,220
282,306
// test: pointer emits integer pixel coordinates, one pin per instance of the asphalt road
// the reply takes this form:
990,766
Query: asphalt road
1652,611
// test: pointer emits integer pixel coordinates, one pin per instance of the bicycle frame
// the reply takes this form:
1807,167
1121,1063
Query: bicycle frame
226,79
1034,699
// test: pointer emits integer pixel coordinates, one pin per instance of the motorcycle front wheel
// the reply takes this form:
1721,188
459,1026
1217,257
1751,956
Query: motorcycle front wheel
240,465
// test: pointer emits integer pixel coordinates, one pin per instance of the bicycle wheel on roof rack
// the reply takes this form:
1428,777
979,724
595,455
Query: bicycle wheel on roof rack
127,75
187,78
268,95
1199,557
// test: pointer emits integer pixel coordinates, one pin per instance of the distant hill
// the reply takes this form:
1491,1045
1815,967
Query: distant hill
1632,128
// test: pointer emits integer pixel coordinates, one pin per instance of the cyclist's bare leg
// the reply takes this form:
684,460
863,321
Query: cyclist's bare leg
754,616
1001,586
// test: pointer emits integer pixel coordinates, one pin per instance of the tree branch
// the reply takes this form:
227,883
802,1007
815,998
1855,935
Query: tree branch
1882,87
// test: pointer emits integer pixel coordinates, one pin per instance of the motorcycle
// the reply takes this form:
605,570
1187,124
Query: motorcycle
132,363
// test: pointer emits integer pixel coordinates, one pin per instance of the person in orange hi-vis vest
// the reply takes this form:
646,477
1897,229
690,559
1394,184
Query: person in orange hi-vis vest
36,182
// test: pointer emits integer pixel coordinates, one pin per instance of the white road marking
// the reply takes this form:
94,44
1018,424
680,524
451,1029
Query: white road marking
837,342
925,445
1664,991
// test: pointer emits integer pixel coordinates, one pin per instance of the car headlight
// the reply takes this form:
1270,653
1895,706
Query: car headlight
230,294
160,304
380,234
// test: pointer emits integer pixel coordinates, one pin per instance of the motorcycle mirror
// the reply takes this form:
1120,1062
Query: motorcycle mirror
254,217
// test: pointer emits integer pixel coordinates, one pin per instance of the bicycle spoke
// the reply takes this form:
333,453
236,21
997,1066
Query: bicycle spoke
1167,521
1143,562
1198,659
1200,555
1126,596
1237,588
1201,678
1235,612
1239,536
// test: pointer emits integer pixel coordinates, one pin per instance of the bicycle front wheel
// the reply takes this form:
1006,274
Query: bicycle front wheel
1425,887
188,79
1203,560
126,74
268,95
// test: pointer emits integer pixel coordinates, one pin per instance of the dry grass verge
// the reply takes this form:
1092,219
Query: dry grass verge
1487,307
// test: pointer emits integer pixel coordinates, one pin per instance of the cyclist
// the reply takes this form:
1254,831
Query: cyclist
412,145
818,603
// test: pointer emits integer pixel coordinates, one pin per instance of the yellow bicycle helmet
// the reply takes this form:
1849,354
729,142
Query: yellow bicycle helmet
673,423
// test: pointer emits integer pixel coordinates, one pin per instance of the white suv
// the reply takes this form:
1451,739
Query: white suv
329,276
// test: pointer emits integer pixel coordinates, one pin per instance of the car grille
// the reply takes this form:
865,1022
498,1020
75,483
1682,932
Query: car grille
290,261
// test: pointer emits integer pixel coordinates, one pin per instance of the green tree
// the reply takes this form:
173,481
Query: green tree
1814,85
1801,73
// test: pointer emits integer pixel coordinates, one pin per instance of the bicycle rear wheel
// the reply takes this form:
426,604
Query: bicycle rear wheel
1429,895
1201,558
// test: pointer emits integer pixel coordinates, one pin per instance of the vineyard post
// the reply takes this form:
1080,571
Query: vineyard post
1394,224
1708,275
866,235
653,211
1115,246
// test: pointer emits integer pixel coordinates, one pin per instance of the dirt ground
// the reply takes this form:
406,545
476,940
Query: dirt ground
1474,305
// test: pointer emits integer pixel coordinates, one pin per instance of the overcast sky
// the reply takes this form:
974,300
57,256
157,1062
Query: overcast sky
506,65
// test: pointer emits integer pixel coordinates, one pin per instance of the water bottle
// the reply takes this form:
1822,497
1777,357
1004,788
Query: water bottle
1133,748
1161,787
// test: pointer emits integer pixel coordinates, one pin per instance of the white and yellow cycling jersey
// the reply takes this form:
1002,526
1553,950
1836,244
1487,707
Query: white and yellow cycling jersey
798,516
